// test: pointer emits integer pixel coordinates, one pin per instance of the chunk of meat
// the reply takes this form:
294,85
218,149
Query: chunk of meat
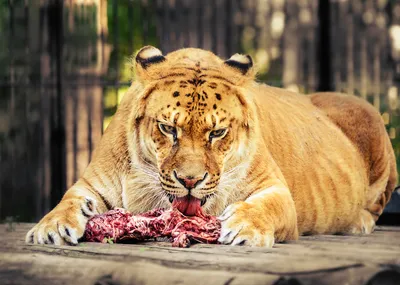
121,225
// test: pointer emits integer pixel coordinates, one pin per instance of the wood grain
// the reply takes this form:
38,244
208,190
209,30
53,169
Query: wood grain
311,260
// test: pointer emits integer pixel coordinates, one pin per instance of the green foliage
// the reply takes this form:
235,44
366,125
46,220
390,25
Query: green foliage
108,240
131,25
392,125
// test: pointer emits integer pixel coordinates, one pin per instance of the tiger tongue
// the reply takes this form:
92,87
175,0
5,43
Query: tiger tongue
187,205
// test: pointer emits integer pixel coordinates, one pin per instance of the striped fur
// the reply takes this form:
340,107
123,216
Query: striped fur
288,164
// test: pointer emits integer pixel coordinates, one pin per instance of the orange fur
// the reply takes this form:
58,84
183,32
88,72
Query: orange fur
288,164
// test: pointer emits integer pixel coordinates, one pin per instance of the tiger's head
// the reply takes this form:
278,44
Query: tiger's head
193,121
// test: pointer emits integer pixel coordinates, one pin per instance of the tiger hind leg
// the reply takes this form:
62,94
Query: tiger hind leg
363,125
364,224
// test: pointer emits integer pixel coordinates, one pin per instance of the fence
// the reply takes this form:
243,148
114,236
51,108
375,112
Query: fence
63,69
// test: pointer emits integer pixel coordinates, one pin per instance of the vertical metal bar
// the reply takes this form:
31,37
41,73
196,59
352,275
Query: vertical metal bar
232,32
165,26
75,134
27,30
364,66
221,41
311,82
33,169
214,15
12,105
45,151
103,37
130,33
350,50
200,17
301,79
11,47
324,46
377,75
116,46
89,84
240,29
159,14
336,32
89,103
206,23
58,134
256,38
229,23
145,21
178,16
172,25
186,24
131,27
193,27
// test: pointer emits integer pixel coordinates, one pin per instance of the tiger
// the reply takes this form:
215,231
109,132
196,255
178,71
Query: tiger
270,163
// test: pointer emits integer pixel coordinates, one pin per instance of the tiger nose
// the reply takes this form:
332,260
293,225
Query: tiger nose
189,182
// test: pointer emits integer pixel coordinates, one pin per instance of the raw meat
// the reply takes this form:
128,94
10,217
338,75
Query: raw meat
120,225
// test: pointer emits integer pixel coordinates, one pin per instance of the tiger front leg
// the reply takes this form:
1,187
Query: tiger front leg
66,223
266,217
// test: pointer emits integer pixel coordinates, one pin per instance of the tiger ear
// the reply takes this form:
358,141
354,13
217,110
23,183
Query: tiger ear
149,55
240,62
147,59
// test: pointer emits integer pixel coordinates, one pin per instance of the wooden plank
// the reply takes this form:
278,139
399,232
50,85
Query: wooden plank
358,275
311,260
205,257
51,269
216,258
305,255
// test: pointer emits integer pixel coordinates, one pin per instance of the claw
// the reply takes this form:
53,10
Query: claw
229,234
65,224
239,241
32,237
50,238
239,229
89,204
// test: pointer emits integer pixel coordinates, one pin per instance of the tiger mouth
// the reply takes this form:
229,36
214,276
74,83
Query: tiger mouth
203,201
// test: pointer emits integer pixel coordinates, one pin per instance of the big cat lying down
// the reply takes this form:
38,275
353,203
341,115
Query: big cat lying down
197,129
120,225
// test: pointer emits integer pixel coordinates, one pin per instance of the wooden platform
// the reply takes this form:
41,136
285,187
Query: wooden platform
371,260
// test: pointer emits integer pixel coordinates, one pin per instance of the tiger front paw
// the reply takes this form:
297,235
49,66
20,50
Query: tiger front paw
65,224
244,224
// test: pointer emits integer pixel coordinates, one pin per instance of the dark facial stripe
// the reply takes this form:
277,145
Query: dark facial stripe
169,82
196,82
149,91
217,77
170,186
212,85
209,188
241,99
172,75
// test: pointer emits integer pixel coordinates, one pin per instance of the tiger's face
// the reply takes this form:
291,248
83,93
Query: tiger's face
195,131
194,125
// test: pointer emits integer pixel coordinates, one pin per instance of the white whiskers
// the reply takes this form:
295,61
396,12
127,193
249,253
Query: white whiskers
228,189
144,191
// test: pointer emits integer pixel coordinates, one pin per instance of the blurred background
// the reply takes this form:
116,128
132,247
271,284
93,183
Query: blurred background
65,65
